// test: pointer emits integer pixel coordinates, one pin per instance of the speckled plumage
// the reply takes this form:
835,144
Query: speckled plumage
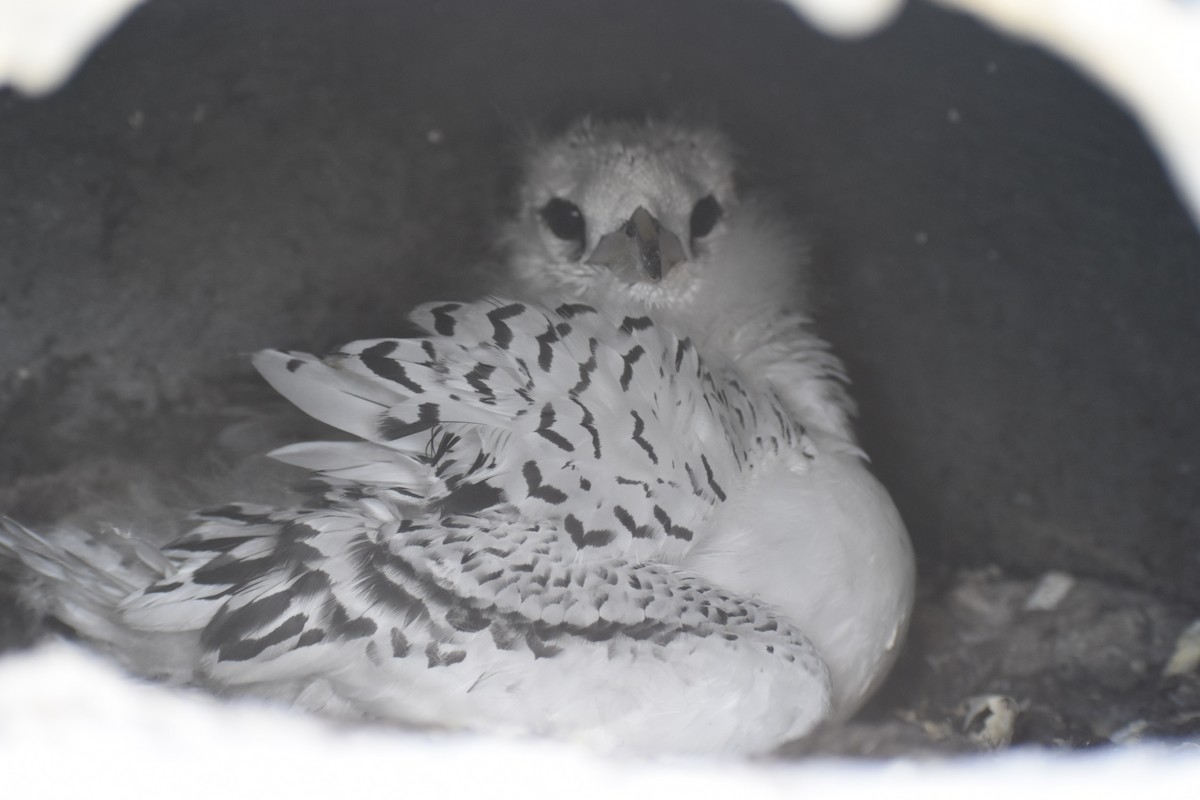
621,508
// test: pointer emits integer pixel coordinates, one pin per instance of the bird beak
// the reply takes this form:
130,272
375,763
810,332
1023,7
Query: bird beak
642,244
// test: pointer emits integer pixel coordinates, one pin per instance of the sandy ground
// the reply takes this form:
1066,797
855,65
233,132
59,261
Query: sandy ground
997,255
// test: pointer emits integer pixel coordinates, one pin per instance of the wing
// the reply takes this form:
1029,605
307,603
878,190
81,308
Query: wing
494,547
476,621
611,429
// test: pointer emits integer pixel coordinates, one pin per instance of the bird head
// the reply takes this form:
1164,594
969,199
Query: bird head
640,212
625,216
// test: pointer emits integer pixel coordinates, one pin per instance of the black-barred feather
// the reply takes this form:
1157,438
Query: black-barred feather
506,465
516,385
541,513
521,480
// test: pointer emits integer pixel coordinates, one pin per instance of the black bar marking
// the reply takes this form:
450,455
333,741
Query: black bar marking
234,511
471,498
477,380
639,427
341,625
235,624
677,531
375,358
467,620
217,544
310,637
681,349
248,648
712,484
547,421
541,648
586,369
569,310
228,570
443,318
393,428
581,538
443,658
626,519
631,324
502,335
545,341
630,359
400,644
588,423
544,492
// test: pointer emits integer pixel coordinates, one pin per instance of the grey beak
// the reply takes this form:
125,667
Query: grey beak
641,244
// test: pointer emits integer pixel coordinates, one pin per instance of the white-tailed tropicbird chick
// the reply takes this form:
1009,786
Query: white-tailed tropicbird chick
825,544
626,508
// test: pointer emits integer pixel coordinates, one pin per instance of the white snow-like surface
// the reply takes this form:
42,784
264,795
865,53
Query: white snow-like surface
43,41
72,726
848,17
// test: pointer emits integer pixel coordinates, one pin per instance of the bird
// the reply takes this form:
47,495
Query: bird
620,502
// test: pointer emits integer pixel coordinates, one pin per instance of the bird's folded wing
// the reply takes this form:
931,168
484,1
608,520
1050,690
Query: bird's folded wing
612,428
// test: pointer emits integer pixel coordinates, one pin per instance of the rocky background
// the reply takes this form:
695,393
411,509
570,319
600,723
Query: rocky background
996,254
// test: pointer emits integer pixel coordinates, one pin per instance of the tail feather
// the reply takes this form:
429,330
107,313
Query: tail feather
81,578
84,580
334,396
361,462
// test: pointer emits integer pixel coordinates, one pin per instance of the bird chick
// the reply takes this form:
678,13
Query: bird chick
625,507
647,216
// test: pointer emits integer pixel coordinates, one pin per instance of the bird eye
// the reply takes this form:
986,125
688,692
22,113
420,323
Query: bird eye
705,215
565,221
